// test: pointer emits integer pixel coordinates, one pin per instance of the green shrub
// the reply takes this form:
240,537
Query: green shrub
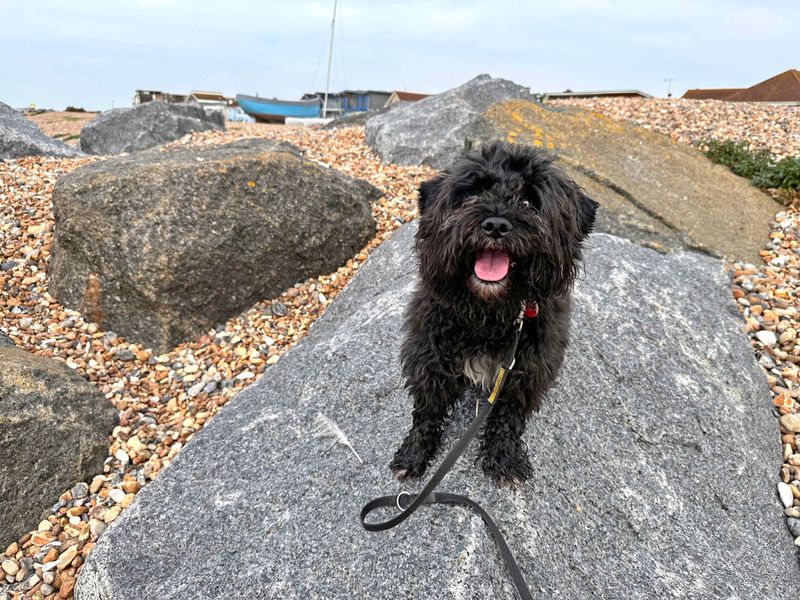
760,166
789,172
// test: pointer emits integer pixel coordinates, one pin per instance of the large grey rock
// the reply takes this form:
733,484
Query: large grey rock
145,126
651,189
431,131
161,246
54,430
655,459
20,137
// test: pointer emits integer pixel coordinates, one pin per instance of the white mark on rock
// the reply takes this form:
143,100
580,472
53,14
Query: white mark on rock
227,498
265,418
467,564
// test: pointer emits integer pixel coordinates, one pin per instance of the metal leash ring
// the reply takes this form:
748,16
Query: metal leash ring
400,508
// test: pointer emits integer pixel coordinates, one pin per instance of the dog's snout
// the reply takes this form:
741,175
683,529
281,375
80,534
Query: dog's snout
496,226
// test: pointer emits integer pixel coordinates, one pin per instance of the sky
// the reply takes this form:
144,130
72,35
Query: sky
95,54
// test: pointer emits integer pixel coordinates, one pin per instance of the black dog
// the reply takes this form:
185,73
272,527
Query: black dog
501,228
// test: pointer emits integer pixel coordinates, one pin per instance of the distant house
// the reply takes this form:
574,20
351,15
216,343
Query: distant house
711,94
784,88
143,96
398,96
598,94
210,101
348,101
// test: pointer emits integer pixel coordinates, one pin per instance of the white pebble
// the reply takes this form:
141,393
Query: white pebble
50,565
122,456
117,495
785,493
97,527
779,261
767,338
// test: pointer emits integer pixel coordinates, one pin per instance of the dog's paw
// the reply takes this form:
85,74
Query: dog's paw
400,474
507,465
408,463
407,469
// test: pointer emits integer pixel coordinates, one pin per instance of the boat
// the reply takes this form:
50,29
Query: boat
294,112
267,110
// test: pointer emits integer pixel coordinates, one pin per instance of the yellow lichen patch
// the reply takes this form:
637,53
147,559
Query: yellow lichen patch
589,116
518,118
251,184
528,122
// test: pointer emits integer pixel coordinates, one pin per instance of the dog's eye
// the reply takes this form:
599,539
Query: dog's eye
525,204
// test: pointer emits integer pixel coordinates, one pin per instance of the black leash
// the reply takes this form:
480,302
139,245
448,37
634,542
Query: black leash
429,496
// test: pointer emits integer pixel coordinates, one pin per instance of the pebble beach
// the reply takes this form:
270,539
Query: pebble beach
763,126
163,400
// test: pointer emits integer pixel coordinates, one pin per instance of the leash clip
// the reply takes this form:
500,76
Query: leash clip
520,318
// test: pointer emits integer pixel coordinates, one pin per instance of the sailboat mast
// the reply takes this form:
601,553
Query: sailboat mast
330,56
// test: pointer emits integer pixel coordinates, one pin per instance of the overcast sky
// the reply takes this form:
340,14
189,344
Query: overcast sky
95,53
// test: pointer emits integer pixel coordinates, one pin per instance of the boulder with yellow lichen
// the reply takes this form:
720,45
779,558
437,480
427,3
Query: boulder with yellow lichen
53,434
652,189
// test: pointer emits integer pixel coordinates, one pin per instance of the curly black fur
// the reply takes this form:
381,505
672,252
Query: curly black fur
454,316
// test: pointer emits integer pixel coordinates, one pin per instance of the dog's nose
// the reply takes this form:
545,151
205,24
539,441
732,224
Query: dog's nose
496,226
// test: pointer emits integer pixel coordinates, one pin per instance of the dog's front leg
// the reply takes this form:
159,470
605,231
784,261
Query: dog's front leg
434,388
503,454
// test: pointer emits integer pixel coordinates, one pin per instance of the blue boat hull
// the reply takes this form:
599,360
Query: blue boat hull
276,111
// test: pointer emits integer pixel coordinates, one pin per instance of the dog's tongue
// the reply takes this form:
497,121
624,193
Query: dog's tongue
491,265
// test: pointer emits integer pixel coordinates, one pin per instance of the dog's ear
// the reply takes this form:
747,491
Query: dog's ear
571,215
587,209
427,193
